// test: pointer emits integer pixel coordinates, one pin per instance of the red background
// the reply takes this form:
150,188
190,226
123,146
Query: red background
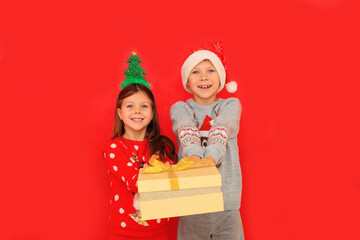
297,66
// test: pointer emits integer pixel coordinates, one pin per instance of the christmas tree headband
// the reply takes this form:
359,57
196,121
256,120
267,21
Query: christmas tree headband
134,72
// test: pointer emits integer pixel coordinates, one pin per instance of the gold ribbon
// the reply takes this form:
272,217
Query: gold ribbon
137,218
183,164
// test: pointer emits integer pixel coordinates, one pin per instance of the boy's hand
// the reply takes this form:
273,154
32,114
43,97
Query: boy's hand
211,158
195,157
146,165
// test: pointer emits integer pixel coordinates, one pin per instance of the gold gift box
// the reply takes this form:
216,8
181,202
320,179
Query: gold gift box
187,192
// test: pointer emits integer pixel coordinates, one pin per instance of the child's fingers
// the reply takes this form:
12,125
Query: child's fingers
195,157
211,158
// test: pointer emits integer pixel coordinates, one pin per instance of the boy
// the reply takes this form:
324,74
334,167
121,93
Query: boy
207,127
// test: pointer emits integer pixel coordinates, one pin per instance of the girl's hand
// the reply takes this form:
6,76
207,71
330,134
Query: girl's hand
146,165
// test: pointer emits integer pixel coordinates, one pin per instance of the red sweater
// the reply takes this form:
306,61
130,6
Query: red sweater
121,157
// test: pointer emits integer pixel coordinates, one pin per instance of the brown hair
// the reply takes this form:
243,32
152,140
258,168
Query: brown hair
158,144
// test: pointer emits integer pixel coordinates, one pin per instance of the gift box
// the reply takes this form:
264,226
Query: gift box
177,191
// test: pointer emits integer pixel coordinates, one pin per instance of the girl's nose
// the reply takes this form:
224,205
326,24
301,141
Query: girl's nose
137,110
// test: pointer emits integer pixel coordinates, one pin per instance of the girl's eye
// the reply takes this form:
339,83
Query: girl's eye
129,106
145,106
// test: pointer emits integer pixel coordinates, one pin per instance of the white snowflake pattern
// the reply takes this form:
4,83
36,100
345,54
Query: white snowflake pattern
132,159
218,46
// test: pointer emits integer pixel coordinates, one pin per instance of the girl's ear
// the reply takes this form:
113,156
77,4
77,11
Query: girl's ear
118,110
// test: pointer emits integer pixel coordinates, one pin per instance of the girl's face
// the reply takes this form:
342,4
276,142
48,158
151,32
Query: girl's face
136,112
204,82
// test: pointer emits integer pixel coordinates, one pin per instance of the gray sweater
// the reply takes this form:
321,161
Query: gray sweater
221,143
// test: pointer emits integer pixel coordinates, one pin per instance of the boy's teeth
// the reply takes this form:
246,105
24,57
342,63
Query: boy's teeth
205,86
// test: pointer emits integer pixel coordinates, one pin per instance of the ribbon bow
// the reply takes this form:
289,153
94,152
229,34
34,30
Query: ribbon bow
183,164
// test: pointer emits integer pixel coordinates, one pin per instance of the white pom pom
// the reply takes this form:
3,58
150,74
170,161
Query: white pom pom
231,87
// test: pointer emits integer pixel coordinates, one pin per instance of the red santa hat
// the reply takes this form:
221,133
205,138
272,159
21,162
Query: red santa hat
212,51
205,127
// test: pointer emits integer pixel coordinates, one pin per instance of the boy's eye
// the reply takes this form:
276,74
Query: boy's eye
195,72
211,70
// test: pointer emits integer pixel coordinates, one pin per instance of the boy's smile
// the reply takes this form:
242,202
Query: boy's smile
204,82
205,86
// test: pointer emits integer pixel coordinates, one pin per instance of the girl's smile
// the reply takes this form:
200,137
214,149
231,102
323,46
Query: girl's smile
137,119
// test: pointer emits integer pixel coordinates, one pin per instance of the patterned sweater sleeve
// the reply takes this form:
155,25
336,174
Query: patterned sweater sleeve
225,126
121,166
185,129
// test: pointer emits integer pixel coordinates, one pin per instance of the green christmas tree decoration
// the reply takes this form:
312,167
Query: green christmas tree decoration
134,72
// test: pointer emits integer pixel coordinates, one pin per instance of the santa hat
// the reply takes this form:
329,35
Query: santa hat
212,51
205,127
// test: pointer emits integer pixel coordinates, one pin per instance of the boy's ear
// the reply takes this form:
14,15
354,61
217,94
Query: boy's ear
188,85
118,110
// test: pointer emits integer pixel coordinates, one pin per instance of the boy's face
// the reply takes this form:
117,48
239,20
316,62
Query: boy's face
204,82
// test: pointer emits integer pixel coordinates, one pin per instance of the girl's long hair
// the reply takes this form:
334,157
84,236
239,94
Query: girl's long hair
158,144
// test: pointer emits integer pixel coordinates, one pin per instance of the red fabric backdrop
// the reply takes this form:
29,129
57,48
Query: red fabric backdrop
297,67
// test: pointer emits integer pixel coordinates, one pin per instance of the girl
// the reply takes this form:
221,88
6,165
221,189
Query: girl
136,136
